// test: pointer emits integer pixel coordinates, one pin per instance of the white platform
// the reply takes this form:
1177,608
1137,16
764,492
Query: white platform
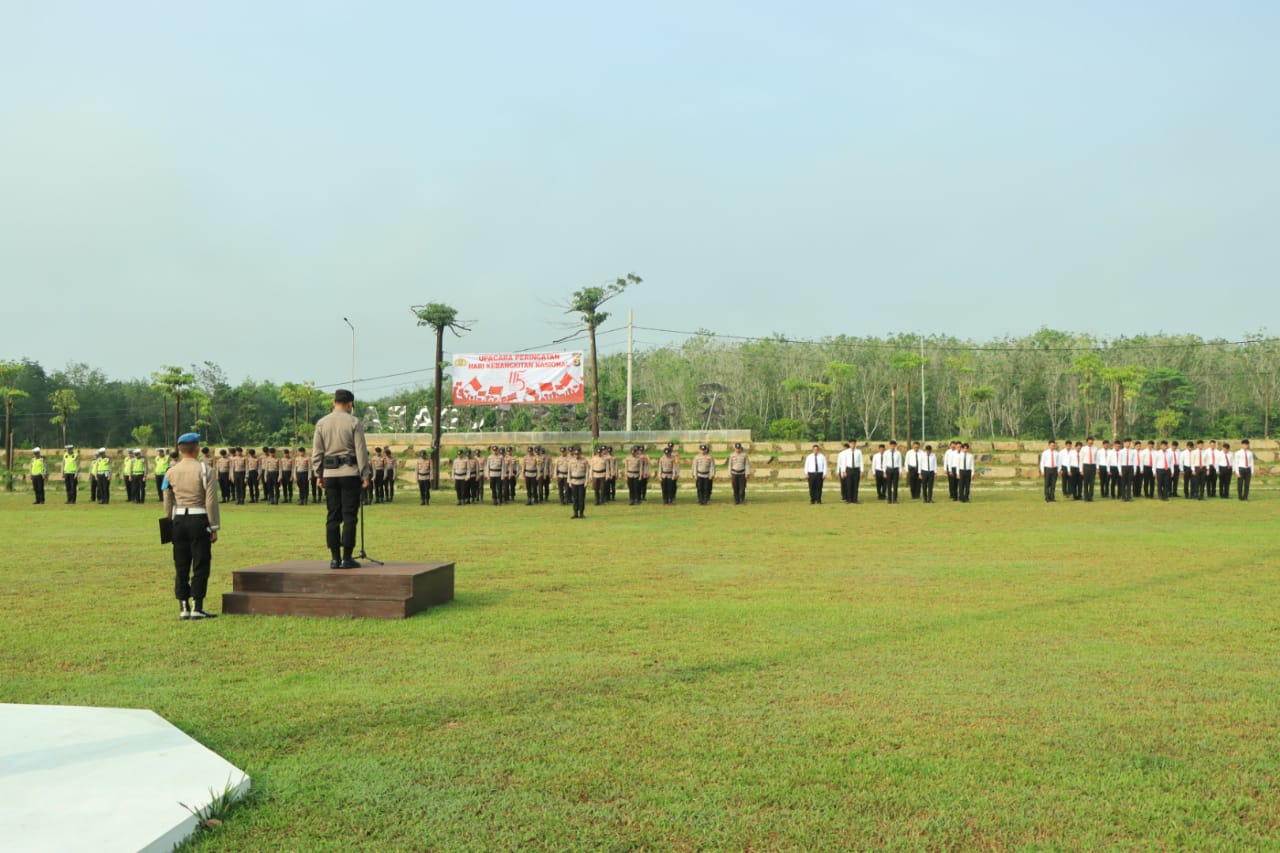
101,779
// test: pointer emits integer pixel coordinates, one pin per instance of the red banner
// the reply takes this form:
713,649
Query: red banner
513,379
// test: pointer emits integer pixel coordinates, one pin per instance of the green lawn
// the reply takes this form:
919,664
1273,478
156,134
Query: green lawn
1003,674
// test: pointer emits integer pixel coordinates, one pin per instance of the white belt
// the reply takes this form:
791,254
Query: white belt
188,511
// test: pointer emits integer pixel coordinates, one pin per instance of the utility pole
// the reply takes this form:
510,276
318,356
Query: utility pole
922,439
629,399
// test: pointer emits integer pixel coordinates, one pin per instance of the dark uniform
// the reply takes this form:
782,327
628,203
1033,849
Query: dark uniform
739,470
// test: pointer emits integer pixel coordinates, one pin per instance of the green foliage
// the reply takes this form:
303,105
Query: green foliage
786,429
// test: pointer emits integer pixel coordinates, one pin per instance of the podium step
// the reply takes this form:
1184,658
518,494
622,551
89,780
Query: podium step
311,588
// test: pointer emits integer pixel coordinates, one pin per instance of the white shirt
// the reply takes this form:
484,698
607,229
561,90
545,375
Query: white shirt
857,460
1220,458
1243,459
1088,455
1184,458
843,460
1070,459
892,459
912,458
877,461
1144,457
928,462
815,463
964,461
1048,460
949,459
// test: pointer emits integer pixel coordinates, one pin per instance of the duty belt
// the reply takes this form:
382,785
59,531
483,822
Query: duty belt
338,461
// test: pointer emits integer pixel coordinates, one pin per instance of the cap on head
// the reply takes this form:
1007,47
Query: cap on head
342,395
702,447
189,438
35,450
737,445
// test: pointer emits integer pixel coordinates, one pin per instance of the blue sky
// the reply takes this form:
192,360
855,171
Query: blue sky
226,182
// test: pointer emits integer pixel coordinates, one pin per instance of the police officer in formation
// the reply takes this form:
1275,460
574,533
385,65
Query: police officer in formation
424,472
739,470
38,470
704,474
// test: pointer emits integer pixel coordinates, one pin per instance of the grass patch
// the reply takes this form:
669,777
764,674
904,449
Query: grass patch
771,676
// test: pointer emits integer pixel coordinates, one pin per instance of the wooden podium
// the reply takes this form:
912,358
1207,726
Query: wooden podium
311,588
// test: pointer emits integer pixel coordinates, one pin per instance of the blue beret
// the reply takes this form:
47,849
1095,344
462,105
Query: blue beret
189,438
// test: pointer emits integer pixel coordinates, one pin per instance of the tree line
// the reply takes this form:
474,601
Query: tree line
1049,384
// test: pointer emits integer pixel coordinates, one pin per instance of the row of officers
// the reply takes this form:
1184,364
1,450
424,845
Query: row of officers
1124,470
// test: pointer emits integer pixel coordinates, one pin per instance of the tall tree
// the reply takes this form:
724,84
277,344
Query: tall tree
438,316
11,395
908,364
587,302
64,404
294,395
173,381
1088,366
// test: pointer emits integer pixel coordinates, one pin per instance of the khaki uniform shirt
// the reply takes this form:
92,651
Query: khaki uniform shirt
739,463
340,434
424,469
704,465
668,467
577,471
192,485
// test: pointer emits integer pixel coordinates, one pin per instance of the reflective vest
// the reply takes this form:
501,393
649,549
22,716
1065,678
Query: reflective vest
37,466
70,464
162,465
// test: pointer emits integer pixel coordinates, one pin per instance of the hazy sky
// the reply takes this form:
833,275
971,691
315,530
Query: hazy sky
182,182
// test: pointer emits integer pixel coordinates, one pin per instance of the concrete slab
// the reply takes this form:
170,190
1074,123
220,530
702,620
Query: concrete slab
101,779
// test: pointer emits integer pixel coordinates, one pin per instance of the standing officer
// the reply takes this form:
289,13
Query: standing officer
71,472
126,474
38,469
668,474
379,476
160,467
815,467
877,470
611,480
459,471
340,459
853,472
389,472
424,478
1128,465
286,476
529,467
302,474
599,474
704,474
475,475
1088,468
140,472
191,500
562,476
646,470
739,466
631,469
253,476
238,473
1223,461
102,475
271,475
494,464
578,473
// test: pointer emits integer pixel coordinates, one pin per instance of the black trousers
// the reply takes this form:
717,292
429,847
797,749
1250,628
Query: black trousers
891,477
1088,473
255,490
703,485
140,488
913,482
1126,482
926,485
633,490
241,486
37,486
342,499
1162,483
192,556
1173,481
880,485
272,487
1243,476
1104,482
815,488
562,489
71,483
953,485
104,488
601,488
1050,485
854,478
531,490
497,491
1224,482
462,490
668,490
578,496
129,494
303,487
966,480
424,491
286,486
159,487
739,482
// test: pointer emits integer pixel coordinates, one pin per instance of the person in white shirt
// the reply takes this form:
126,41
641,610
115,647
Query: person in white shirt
1146,485
877,469
851,475
815,466
1160,461
1209,459
949,466
1072,457
912,460
1243,461
1174,462
964,464
843,460
892,471
1104,469
1128,465
1184,465
1049,470
1197,460
1088,468
1223,460
928,472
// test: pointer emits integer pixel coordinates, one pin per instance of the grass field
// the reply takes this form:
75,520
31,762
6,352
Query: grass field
775,676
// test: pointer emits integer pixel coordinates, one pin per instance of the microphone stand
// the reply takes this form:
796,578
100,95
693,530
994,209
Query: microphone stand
362,555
